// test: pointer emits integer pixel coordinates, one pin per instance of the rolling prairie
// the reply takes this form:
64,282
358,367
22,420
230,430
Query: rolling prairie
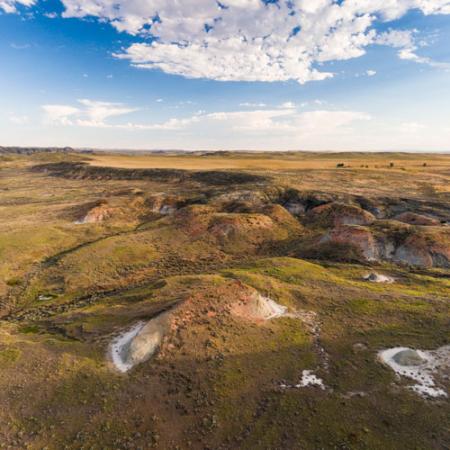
264,268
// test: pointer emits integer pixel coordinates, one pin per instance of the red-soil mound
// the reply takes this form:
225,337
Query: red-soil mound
359,237
338,214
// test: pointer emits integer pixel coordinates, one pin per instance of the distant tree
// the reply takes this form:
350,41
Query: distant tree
391,164
424,164
340,165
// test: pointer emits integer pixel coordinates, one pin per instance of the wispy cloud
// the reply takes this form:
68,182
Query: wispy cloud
19,119
405,42
252,105
285,120
19,46
287,105
90,113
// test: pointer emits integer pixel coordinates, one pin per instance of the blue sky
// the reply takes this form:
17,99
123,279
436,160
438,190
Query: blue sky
237,74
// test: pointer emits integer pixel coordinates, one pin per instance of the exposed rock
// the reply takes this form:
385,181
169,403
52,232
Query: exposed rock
147,341
163,204
295,208
377,278
258,307
97,214
409,357
417,219
140,343
359,237
420,366
414,252
338,214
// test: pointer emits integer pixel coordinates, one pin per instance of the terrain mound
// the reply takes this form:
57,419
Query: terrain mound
339,214
360,238
411,246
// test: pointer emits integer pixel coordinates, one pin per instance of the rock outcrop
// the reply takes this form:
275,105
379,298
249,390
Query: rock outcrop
140,343
378,278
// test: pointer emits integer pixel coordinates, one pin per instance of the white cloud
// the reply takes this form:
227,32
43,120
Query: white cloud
90,114
19,120
407,47
412,127
287,105
10,6
286,122
252,105
251,40
51,15
19,46
371,73
60,114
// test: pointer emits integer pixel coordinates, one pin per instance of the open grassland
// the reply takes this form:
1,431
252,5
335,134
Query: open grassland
272,161
91,245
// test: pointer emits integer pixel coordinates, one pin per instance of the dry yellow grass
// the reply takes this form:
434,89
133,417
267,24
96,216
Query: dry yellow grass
259,161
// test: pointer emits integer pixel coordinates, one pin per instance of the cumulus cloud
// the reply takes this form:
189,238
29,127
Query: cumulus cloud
90,113
10,6
252,40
